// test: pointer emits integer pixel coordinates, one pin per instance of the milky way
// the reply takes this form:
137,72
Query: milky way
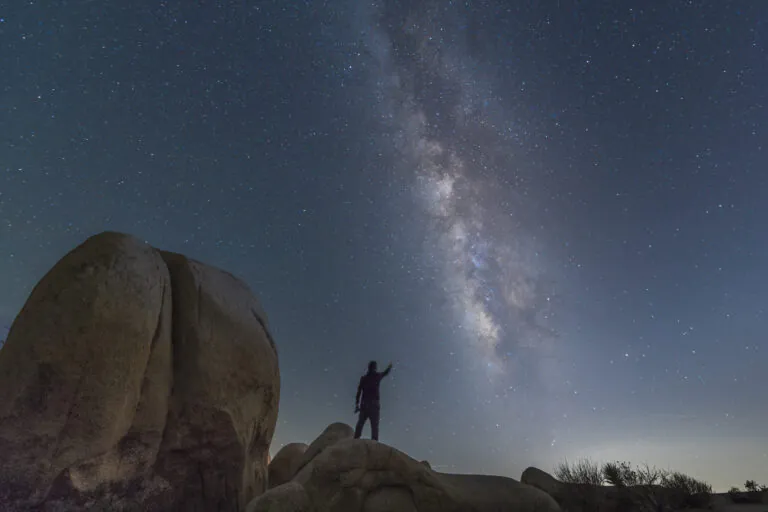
443,136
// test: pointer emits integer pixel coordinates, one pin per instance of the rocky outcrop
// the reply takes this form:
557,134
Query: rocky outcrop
288,497
86,372
124,381
387,499
285,464
541,480
574,497
224,403
486,493
366,476
332,434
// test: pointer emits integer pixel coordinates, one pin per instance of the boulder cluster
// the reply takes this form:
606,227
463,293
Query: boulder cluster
138,379
337,473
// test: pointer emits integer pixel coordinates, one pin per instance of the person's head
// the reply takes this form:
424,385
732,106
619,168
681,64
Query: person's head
372,367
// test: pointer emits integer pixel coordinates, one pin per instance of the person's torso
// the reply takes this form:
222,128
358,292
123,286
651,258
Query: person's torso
370,385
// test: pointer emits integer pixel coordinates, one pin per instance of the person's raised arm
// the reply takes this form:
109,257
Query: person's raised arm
387,370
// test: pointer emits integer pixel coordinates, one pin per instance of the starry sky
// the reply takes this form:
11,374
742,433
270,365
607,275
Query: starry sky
549,215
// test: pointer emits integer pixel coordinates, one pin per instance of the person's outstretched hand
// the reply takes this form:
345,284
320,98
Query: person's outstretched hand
390,364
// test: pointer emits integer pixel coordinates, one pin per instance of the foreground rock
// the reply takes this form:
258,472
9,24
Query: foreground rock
286,463
88,418
333,433
85,372
353,475
542,480
288,497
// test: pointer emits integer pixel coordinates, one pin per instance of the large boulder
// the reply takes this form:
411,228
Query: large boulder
389,499
85,373
285,464
289,497
341,474
223,408
332,434
541,480
486,493
136,380
367,476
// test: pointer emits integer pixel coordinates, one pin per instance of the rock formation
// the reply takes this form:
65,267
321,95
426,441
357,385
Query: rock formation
541,480
355,475
288,497
332,434
286,463
128,374
223,408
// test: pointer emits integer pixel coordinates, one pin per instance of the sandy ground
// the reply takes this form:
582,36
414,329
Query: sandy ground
722,503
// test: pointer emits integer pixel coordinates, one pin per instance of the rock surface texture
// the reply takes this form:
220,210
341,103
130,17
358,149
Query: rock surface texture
355,475
286,463
223,408
541,480
136,380
332,434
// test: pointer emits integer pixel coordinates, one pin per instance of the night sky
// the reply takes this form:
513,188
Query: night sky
549,215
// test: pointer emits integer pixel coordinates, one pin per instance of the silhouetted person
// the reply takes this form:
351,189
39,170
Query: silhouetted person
369,406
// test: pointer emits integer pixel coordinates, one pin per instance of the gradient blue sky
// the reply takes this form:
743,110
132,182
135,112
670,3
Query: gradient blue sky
549,215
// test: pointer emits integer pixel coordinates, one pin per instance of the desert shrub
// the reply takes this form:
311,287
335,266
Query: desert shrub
583,471
685,484
622,474
637,487
733,490
752,486
641,488
619,474
692,493
586,479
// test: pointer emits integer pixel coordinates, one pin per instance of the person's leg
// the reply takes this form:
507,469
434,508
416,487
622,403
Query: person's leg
361,417
374,415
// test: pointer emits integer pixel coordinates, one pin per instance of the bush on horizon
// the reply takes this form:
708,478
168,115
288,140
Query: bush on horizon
623,474
640,486
583,471
752,486
752,493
